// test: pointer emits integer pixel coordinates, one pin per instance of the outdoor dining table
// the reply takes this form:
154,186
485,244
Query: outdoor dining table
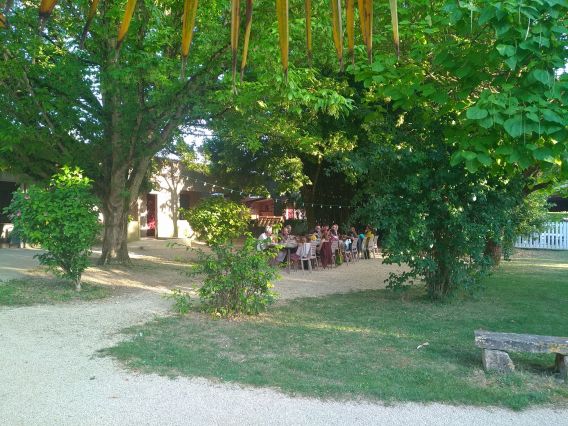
288,246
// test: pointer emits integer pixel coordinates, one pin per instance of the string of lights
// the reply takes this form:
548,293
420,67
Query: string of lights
219,188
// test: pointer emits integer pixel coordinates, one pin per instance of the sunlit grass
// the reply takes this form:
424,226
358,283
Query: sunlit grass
375,345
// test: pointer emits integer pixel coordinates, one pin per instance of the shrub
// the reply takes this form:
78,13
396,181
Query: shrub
217,220
182,300
237,280
62,219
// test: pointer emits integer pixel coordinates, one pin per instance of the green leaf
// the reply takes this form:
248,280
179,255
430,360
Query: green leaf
486,123
476,113
514,126
511,62
542,76
484,159
456,158
469,155
550,115
506,50
504,150
472,166
544,154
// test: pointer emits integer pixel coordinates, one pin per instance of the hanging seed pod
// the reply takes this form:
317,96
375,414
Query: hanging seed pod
235,21
350,26
90,17
282,13
188,23
394,20
337,30
361,7
45,9
369,24
308,6
248,25
125,24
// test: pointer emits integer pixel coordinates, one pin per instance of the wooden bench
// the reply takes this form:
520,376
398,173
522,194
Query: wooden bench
496,345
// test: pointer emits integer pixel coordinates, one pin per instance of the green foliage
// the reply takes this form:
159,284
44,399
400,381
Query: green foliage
532,214
495,68
458,130
237,280
436,218
182,300
61,218
217,220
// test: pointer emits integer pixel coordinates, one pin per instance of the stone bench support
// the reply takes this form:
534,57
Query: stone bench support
497,345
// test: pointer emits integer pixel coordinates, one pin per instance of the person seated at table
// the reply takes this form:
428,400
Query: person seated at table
285,235
289,228
346,242
353,234
334,231
264,239
303,250
317,232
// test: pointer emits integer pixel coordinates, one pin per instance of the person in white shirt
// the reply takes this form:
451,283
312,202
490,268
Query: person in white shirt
264,239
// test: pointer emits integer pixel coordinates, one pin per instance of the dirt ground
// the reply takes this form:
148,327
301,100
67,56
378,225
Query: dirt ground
160,265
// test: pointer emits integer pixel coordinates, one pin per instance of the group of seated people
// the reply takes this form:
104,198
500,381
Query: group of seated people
320,234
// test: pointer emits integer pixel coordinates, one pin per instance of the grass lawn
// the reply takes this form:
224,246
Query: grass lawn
556,216
24,292
363,346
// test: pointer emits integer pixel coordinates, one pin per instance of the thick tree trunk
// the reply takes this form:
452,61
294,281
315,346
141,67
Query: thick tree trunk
115,247
122,191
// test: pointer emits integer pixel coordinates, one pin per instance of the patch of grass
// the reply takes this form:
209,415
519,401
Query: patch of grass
556,216
364,345
25,292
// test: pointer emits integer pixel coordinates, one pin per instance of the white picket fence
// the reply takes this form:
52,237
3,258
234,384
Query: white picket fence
555,237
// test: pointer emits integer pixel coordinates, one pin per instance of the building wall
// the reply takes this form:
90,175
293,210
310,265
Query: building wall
169,185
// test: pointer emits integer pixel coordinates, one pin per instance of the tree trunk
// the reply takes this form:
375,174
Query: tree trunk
308,197
494,251
122,191
115,248
115,214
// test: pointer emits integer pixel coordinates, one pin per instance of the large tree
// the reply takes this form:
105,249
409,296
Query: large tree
106,108
461,128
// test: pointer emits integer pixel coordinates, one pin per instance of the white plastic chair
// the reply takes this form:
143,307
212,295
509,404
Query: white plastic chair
334,248
376,245
354,250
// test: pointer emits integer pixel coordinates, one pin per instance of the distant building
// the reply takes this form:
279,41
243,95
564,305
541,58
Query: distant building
8,185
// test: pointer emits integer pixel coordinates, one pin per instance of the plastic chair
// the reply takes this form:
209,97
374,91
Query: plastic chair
354,250
334,249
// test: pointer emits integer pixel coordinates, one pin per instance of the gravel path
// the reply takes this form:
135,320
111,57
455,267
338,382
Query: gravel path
50,374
